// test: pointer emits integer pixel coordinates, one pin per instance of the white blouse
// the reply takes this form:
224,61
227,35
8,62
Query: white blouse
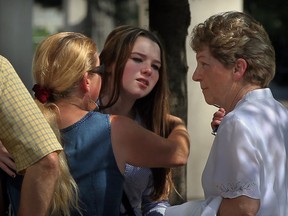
248,156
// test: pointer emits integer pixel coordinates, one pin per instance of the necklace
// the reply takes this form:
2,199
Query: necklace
76,105
73,104
89,107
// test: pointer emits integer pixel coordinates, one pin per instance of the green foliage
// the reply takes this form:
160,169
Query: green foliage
39,34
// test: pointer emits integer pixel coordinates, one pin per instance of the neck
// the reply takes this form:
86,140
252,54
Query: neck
72,103
70,112
78,106
87,106
122,107
239,95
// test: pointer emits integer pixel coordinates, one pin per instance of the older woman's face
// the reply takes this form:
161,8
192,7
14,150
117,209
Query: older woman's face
215,80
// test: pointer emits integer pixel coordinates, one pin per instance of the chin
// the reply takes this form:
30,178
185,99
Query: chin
139,95
208,101
212,102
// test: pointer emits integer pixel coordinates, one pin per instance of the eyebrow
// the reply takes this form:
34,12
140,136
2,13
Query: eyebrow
200,56
144,55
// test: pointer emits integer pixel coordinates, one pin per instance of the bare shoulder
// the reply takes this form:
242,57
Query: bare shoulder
120,121
121,125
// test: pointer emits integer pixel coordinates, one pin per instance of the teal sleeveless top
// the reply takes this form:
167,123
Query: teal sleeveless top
88,148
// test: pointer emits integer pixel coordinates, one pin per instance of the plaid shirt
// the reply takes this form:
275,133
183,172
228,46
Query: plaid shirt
23,129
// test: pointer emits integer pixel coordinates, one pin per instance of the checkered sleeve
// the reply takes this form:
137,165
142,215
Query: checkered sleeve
23,129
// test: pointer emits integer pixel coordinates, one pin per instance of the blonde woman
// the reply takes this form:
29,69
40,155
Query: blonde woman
68,73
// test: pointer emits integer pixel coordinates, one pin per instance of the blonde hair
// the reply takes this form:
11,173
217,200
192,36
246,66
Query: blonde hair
59,63
61,60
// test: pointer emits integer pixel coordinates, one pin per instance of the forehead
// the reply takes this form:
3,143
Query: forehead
204,53
146,46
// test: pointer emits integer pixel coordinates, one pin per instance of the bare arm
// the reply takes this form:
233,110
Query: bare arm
240,206
38,186
140,147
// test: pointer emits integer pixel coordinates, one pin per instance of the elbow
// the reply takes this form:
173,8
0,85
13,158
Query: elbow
181,159
49,165
183,155
180,163
180,147
181,151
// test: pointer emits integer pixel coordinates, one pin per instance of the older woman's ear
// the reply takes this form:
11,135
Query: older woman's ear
240,68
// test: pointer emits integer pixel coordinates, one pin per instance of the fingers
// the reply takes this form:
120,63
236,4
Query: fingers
7,169
6,162
217,118
219,115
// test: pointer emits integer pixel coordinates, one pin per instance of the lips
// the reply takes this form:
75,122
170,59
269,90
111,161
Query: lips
143,81
204,90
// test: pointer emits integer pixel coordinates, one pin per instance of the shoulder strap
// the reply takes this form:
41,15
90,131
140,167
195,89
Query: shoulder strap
127,205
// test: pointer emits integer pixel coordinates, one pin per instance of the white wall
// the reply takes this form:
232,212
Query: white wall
199,113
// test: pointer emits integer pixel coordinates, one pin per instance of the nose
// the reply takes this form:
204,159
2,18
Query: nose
146,71
196,76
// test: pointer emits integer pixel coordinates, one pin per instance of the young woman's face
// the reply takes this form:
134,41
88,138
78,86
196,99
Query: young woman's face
141,71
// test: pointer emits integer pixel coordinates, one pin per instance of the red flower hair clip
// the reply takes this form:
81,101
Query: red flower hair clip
41,93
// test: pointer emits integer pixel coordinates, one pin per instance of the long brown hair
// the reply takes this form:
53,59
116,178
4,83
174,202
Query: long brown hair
153,108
